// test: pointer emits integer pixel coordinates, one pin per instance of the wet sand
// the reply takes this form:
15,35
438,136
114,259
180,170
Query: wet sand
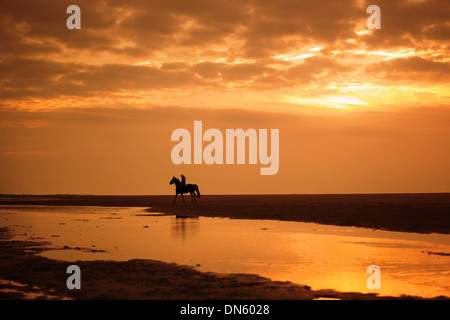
422,213
25,275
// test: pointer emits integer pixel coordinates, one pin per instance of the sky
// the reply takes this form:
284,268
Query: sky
91,111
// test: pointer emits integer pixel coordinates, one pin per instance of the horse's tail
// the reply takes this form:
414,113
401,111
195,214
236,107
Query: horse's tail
198,192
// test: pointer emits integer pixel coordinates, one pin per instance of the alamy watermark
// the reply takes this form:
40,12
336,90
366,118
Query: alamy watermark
74,281
374,21
374,280
214,152
74,20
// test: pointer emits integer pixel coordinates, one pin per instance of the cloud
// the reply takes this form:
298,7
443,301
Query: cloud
259,28
284,25
31,78
27,78
412,69
44,22
166,49
314,66
409,23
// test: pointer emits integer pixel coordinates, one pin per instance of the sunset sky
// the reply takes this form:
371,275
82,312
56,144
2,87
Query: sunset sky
91,111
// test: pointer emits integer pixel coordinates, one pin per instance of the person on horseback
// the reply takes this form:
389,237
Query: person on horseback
181,187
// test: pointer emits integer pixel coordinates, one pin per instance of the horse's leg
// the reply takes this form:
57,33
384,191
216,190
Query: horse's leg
175,197
182,196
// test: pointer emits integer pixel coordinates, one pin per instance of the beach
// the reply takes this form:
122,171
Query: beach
26,274
34,277
423,213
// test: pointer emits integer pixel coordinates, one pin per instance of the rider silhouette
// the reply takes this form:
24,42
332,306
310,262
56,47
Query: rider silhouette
181,187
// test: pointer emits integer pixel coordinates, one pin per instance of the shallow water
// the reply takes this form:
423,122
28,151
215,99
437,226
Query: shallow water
320,256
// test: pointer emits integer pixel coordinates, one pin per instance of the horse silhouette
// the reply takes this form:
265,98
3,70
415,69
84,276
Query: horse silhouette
181,188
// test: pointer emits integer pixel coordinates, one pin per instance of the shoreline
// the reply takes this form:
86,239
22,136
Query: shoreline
23,273
420,213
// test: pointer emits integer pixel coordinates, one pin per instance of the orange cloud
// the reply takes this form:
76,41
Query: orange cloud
412,69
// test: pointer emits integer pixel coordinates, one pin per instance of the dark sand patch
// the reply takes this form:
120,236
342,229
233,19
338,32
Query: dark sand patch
438,253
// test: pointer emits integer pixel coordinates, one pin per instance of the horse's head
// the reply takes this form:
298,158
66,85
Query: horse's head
174,180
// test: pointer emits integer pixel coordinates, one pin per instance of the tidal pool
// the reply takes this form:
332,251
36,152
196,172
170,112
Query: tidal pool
320,256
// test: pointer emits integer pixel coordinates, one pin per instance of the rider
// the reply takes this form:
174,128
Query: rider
183,181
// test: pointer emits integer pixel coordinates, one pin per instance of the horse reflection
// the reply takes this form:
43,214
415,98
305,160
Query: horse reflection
185,226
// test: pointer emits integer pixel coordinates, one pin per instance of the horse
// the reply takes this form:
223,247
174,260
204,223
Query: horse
187,188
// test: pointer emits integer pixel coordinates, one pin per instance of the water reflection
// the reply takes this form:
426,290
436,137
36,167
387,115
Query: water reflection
323,257
184,226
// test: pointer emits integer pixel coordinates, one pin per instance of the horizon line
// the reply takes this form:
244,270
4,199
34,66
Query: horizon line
218,194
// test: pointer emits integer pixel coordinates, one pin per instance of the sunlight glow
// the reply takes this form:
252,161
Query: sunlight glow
329,101
301,56
391,55
363,32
